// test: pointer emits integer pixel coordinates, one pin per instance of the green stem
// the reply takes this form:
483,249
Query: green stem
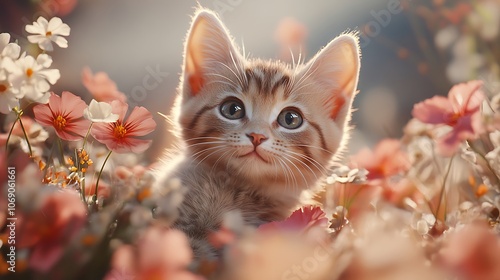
61,150
87,136
8,137
26,136
443,188
94,197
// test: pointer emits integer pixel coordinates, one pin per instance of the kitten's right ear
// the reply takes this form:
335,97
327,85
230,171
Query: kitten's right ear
208,48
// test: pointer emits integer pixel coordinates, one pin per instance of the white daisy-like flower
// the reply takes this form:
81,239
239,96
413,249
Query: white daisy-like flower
99,112
8,49
47,32
9,96
32,77
344,174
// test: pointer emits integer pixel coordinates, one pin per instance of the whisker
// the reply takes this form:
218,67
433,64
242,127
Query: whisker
314,147
234,73
303,163
314,162
296,167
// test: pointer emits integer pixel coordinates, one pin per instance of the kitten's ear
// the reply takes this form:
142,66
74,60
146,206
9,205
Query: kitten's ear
336,69
208,48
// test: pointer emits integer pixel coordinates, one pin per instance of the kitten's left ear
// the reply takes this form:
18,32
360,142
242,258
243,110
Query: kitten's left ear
209,49
336,69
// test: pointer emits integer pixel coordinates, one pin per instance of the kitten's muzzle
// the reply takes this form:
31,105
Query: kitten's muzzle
256,138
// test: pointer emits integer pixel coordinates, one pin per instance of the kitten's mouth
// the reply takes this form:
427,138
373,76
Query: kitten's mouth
254,153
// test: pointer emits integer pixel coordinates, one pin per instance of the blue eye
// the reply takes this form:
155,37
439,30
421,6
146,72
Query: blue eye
290,118
232,109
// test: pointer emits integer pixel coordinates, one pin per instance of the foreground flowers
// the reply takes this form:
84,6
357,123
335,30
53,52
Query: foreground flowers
120,136
64,114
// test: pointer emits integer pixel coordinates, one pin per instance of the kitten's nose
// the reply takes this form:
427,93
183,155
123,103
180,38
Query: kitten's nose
256,138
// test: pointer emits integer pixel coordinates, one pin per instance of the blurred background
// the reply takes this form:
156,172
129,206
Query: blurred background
407,47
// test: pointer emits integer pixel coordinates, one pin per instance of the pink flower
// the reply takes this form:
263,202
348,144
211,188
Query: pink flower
158,254
120,135
460,111
60,7
473,252
386,160
301,220
291,35
64,114
101,86
48,230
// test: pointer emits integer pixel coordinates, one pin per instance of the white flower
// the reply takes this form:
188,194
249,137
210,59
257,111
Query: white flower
7,49
8,94
32,77
48,32
99,112
493,158
8,97
344,174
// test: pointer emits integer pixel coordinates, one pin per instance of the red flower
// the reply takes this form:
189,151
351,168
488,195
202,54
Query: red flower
64,114
120,135
302,219
460,111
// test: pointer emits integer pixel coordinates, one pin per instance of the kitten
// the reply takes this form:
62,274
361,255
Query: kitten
258,135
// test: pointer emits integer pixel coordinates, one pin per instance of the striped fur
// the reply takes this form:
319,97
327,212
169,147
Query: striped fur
217,162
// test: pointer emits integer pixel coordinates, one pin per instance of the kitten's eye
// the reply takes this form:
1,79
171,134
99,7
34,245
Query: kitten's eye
233,109
290,118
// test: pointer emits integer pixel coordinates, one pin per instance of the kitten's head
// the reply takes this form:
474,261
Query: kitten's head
265,119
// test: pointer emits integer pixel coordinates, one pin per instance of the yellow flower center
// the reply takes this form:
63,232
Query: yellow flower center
120,131
3,88
49,33
59,122
29,72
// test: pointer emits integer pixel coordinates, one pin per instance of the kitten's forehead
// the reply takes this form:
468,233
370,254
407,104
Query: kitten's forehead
267,82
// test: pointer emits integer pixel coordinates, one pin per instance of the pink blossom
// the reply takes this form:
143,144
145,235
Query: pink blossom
60,7
473,252
158,254
387,159
48,230
101,86
120,136
64,114
301,220
460,111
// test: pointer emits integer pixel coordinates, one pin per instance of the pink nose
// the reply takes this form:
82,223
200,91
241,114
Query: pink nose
256,138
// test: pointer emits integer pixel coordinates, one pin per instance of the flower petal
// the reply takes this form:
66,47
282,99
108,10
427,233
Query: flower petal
63,30
140,122
73,105
43,114
120,108
60,41
435,110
